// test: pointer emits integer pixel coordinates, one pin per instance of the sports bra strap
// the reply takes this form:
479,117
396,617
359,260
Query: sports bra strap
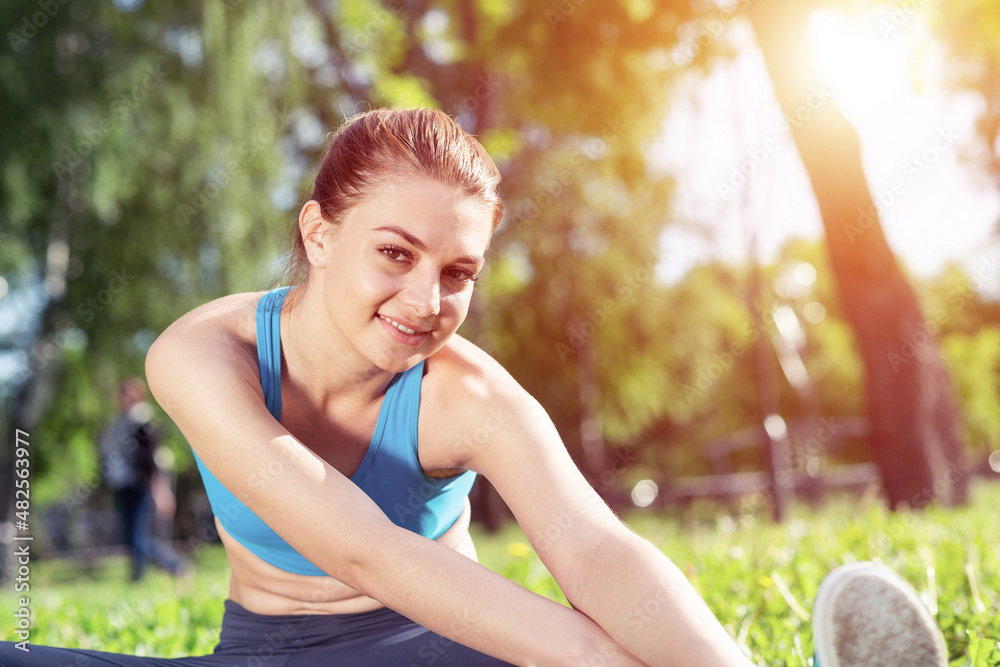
269,348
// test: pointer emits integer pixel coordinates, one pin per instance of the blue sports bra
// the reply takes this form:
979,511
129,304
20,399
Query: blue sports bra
390,472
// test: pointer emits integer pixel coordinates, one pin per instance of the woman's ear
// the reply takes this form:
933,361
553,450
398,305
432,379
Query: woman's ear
314,227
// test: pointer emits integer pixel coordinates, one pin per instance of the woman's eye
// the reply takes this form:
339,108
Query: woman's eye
398,255
463,276
394,253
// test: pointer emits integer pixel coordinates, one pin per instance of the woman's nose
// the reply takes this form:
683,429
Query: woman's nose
423,296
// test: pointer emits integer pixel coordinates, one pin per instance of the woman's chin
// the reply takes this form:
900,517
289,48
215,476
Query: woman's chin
393,361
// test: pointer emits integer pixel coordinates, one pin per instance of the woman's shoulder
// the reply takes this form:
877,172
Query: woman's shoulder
230,319
224,328
461,364
464,386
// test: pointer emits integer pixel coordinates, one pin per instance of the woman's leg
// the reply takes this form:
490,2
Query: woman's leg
423,651
380,638
51,656
407,646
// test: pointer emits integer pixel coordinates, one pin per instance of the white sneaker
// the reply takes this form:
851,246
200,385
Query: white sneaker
866,615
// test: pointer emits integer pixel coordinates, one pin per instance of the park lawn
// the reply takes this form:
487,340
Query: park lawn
759,578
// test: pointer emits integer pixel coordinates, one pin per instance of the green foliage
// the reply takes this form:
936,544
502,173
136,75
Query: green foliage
172,145
965,324
733,561
970,33
975,363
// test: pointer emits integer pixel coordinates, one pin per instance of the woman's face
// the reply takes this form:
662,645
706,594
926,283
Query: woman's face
400,267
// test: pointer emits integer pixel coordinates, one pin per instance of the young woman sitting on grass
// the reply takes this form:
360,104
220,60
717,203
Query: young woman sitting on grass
339,423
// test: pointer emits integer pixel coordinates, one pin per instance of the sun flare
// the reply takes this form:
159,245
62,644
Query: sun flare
864,64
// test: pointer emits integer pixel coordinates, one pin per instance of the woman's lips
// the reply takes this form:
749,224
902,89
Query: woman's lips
400,336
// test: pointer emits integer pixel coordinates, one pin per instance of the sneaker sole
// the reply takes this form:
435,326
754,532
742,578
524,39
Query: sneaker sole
867,615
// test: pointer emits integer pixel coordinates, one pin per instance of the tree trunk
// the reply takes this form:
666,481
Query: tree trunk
910,403
774,451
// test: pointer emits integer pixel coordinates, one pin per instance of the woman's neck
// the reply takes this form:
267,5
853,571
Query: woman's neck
321,361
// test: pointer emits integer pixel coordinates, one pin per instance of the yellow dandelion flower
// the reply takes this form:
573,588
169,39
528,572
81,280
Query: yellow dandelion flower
518,549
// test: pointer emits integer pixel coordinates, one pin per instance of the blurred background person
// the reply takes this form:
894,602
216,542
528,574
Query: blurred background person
142,490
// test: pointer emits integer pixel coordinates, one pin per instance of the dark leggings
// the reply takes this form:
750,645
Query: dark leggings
380,638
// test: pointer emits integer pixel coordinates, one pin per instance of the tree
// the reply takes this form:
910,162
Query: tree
136,156
910,401
970,31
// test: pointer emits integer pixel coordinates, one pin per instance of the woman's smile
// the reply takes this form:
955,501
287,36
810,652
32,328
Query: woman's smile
401,333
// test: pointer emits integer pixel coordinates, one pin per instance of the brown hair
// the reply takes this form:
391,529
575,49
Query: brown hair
373,145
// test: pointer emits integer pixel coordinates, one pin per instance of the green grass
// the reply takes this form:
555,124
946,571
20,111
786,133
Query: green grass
739,563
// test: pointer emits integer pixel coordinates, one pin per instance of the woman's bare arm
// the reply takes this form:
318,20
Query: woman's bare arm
211,392
619,579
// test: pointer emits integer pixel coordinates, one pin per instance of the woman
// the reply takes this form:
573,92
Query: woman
338,425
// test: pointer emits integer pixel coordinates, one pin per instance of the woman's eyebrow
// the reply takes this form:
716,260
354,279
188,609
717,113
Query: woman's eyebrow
413,240
419,245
